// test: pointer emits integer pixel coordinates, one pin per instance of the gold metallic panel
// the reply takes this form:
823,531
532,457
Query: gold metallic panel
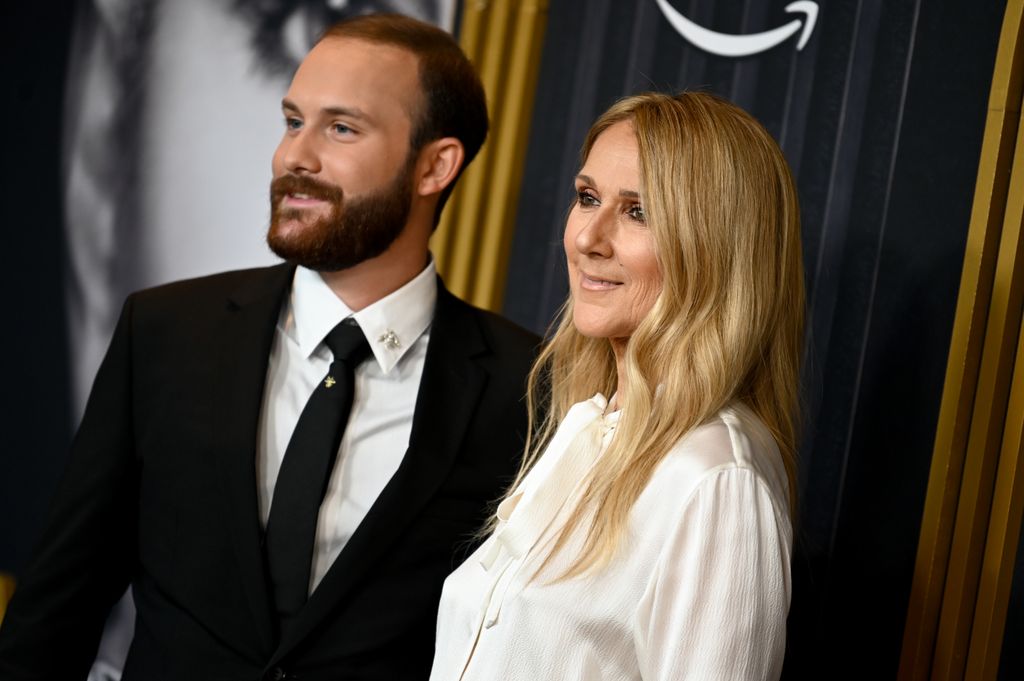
503,38
971,381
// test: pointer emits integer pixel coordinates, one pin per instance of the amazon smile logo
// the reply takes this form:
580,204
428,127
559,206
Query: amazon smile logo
731,45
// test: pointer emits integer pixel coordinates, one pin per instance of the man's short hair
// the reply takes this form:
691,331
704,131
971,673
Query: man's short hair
453,103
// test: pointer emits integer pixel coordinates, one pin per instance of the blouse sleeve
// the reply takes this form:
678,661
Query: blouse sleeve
716,604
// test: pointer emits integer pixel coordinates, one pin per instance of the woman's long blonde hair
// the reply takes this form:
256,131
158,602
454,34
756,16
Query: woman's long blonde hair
728,324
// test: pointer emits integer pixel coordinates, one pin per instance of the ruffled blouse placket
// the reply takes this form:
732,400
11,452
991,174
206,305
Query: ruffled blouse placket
525,516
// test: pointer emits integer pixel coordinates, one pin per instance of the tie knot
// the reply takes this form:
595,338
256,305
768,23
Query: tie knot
347,342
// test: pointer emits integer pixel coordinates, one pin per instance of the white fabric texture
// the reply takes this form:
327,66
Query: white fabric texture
377,434
698,589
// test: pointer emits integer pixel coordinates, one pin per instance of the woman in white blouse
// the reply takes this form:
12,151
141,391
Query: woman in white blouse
648,536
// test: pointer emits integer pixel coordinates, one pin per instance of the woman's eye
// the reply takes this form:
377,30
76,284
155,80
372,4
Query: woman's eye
585,198
637,213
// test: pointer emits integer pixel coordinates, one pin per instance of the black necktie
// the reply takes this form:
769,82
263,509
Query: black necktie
306,469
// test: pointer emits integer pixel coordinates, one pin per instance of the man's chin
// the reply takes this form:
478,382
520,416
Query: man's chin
286,238
287,242
287,226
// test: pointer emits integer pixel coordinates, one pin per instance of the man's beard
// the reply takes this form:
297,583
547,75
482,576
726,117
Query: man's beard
353,230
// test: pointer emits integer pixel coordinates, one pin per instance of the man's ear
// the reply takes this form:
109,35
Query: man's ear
439,164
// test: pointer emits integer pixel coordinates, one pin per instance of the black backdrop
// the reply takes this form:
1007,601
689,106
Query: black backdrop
881,117
34,40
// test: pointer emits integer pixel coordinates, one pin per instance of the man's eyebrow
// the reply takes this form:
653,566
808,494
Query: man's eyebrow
350,111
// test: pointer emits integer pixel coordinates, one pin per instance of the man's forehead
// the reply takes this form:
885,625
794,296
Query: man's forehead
383,55
354,68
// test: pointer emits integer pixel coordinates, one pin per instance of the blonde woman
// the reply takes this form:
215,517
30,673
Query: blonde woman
648,535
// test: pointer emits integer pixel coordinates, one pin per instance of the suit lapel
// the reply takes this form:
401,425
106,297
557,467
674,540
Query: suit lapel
449,390
245,340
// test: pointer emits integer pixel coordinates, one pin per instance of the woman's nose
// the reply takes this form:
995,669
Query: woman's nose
594,238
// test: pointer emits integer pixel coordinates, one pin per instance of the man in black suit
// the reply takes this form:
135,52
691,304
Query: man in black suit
190,425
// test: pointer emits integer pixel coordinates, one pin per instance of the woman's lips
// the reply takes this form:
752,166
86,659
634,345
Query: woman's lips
594,283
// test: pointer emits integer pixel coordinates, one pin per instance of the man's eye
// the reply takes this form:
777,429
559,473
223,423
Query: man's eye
637,213
341,128
292,123
585,198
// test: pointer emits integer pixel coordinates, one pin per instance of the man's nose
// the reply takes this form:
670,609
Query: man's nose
300,154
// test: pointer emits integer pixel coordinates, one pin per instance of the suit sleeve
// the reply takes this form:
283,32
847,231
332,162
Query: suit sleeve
87,553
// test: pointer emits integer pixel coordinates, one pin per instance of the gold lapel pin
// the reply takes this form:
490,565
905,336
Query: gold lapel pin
329,382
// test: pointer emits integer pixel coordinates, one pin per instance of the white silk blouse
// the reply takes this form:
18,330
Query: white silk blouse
699,587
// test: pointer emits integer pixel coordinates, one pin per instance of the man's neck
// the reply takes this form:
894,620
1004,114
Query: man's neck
369,281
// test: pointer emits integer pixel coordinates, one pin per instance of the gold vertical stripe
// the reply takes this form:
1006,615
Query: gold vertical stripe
1003,532
461,269
510,151
960,386
503,39
984,441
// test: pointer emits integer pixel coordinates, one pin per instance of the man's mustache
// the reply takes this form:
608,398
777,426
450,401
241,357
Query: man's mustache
299,184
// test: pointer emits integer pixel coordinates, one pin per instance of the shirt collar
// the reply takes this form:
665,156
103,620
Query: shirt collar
391,325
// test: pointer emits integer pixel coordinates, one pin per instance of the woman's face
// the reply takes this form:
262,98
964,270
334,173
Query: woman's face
614,276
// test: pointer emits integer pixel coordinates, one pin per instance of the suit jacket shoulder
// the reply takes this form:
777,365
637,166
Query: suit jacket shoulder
200,297
502,338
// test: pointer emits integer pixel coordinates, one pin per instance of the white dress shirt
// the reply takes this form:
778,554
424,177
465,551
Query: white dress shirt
698,589
377,434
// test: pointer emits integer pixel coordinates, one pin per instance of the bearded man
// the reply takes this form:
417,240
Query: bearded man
285,463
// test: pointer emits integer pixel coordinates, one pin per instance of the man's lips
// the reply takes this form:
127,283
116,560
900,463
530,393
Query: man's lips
591,282
300,200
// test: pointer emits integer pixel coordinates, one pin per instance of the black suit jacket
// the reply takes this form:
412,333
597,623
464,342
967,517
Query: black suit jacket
160,491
